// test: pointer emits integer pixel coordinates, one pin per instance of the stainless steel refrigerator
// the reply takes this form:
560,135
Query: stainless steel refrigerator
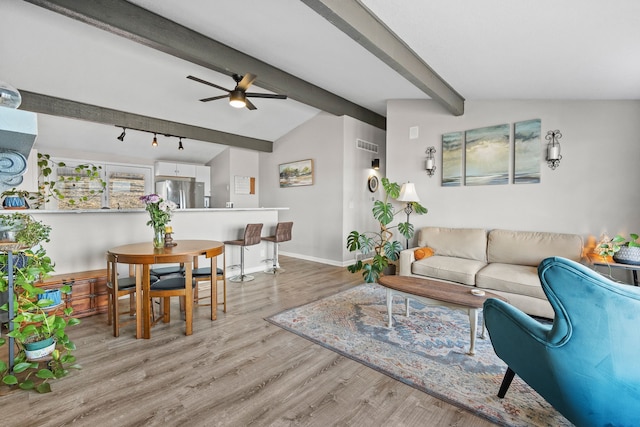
186,193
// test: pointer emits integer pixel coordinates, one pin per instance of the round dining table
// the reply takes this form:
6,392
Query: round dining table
144,255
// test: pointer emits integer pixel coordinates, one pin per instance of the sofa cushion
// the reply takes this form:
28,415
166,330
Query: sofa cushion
422,253
468,243
531,247
517,279
459,270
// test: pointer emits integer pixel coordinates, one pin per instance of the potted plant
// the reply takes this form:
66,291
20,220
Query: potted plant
37,313
626,251
380,242
49,188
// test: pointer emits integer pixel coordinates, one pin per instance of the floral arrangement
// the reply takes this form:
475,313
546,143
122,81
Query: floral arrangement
159,209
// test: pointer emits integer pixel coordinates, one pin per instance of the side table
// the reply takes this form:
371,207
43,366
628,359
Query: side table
634,268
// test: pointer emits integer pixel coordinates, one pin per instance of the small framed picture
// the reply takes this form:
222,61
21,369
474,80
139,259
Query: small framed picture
373,183
295,174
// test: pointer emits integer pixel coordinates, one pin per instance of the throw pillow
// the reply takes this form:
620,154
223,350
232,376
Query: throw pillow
425,252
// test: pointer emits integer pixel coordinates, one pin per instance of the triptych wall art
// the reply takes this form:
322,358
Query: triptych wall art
486,155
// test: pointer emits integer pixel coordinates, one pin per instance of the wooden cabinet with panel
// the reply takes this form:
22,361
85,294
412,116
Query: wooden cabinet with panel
89,294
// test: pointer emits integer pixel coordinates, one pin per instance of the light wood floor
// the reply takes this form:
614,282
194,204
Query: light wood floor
237,371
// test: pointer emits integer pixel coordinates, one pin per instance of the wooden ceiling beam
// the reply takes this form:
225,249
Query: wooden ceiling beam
359,23
45,104
142,26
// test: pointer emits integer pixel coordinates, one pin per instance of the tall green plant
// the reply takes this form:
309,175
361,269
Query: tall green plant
380,242
32,320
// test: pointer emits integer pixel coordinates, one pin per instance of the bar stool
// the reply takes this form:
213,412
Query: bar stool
283,234
251,237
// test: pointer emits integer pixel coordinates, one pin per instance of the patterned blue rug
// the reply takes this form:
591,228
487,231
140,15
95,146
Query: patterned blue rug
427,350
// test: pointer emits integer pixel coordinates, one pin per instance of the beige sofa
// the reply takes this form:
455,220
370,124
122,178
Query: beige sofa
503,262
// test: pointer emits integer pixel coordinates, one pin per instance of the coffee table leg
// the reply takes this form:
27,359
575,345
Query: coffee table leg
473,323
389,304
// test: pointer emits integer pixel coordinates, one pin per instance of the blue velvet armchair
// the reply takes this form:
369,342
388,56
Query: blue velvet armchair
587,363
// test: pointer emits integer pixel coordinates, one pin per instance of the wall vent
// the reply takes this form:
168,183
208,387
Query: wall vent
367,146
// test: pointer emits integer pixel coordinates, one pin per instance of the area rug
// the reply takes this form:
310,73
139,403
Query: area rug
427,350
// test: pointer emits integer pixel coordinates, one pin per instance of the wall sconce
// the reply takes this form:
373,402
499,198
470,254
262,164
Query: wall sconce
375,164
553,148
430,163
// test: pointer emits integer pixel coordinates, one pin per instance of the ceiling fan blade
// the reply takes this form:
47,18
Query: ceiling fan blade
250,105
204,82
246,81
265,95
213,98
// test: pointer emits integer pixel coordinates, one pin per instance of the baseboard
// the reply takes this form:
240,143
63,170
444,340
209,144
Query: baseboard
315,259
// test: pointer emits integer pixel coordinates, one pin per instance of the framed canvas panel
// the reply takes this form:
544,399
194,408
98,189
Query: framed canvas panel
526,163
452,159
487,155
296,174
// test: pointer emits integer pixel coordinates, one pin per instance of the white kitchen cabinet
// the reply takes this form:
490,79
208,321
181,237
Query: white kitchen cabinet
184,170
203,174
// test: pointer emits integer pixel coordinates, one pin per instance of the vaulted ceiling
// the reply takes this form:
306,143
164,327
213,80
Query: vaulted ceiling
331,55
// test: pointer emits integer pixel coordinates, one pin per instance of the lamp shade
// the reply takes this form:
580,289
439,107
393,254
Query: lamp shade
408,193
237,99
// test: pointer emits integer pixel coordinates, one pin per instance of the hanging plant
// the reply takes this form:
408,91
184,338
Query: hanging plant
51,186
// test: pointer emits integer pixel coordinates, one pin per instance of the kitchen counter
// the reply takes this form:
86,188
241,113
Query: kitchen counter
80,238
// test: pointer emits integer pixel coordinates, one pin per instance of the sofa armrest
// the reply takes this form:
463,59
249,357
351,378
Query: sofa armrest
407,257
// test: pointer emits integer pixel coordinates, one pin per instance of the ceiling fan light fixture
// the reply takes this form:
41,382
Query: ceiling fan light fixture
237,99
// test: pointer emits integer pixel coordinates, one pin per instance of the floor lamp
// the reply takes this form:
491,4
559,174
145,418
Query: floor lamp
408,194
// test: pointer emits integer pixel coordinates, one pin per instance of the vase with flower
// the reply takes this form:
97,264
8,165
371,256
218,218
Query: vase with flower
160,211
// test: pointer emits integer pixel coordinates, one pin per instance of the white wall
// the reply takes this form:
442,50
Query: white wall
592,191
320,212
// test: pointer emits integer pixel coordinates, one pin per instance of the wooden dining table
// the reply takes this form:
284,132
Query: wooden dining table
144,255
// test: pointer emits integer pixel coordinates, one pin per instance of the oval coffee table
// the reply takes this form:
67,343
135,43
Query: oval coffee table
446,294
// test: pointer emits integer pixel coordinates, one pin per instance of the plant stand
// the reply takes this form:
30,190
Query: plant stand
11,349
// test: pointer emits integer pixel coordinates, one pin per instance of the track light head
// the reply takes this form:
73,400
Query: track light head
122,135
180,147
155,141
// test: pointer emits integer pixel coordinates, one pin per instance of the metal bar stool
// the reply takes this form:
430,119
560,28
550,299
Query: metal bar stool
283,234
251,237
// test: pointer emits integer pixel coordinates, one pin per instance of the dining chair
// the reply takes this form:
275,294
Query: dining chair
118,287
172,287
282,234
201,274
251,237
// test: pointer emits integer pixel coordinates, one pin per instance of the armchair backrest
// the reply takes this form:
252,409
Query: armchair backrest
587,363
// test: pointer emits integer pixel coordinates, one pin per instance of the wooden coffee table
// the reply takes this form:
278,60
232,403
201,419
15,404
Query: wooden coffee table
430,291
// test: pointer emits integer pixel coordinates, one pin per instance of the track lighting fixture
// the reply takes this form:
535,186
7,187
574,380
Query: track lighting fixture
154,143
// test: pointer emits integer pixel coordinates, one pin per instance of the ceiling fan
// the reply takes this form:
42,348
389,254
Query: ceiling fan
238,96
